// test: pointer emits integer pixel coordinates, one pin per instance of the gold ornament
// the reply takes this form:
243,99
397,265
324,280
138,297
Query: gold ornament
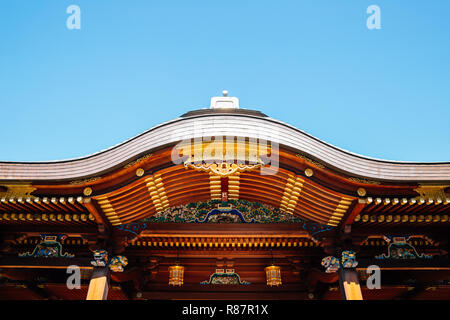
140,172
309,172
87,191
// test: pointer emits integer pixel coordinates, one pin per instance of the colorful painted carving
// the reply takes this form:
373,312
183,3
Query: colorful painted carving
100,258
133,227
49,247
333,264
225,277
330,263
348,259
232,211
400,249
216,211
117,263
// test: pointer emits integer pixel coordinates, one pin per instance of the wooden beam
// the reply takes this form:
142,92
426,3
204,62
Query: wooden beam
43,263
411,293
359,206
399,264
349,284
99,284
98,215
40,291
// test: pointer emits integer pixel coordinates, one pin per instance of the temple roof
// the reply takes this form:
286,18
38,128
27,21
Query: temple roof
160,169
219,121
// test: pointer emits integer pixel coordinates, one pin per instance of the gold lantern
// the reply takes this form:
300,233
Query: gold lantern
273,274
176,274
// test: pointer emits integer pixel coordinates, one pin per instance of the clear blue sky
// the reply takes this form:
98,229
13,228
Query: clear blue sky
314,64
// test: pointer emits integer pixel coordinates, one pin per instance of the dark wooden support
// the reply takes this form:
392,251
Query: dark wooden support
315,276
118,244
411,293
359,206
40,291
134,276
128,289
349,284
103,224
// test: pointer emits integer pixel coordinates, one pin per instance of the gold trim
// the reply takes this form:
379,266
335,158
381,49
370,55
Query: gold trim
339,212
23,190
132,163
157,192
233,187
365,181
223,169
402,219
109,211
85,180
291,193
435,193
215,187
317,164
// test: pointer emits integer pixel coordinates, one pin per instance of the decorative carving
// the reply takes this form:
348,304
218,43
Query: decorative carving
222,169
317,164
225,277
132,163
85,180
133,227
333,264
365,181
400,249
232,211
17,191
100,258
216,211
330,263
348,259
116,264
432,192
49,247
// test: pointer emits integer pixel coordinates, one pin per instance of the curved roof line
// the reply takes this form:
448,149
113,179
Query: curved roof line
222,124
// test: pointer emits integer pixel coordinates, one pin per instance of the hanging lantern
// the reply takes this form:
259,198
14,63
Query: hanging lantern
176,274
273,274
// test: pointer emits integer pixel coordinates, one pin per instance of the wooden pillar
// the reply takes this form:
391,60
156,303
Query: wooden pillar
99,284
349,284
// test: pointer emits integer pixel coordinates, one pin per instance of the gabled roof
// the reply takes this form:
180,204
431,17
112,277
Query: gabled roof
226,123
